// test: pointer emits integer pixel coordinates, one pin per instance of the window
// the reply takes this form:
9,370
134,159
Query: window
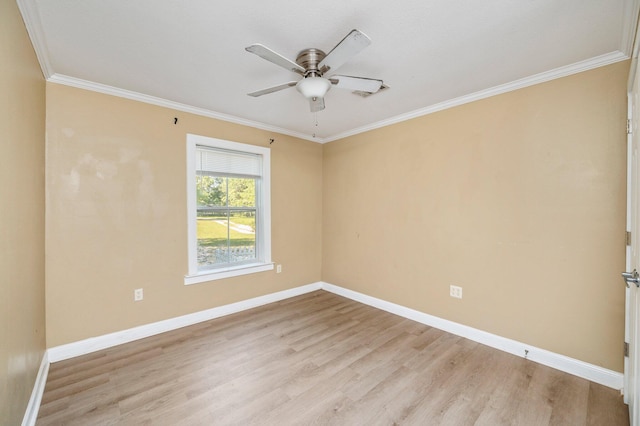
228,197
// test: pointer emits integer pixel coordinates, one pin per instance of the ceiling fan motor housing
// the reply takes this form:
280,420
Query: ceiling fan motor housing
313,86
309,60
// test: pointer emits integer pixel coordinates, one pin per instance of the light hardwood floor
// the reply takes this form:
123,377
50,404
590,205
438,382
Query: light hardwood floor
317,359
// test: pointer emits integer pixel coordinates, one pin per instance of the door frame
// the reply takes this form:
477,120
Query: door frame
631,362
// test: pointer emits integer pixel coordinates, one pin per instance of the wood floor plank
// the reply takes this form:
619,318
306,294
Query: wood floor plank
603,407
377,405
569,397
317,359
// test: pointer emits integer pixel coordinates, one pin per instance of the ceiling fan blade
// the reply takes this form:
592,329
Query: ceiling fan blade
317,104
272,89
271,56
361,84
353,43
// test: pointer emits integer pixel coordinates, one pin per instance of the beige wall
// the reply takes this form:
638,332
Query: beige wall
518,198
116,214
22,120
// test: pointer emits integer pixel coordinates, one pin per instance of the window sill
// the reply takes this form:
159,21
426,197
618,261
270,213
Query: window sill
219,274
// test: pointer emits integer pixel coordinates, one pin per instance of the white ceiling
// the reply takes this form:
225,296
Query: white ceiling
433,54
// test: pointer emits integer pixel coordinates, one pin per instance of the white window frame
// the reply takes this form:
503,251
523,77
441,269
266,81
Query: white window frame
263,216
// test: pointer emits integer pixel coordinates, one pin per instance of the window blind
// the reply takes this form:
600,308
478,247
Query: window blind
225,162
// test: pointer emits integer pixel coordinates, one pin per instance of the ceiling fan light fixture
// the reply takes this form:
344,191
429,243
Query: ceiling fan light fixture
313,87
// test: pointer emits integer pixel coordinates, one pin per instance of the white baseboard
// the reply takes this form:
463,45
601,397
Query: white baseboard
569,365
93,344
31,413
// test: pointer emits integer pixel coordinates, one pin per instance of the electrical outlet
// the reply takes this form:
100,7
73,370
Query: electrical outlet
455,291
278,269
138,295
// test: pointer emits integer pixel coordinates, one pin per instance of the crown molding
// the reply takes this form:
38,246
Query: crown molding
598,61
629,41
31,19
630,22
140,97
33,24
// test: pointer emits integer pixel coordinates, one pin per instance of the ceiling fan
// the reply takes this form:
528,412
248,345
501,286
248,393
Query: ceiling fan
312,64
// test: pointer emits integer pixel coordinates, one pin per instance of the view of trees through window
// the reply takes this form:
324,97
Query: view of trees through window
226,221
